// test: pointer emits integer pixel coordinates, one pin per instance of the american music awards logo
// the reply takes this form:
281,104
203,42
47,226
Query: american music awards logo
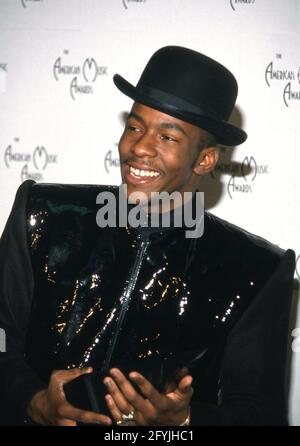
242,175
33,163
289,77
126,3
26,2
235,4
83,76
111,160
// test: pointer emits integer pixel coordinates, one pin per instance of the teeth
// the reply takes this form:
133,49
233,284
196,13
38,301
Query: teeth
143,173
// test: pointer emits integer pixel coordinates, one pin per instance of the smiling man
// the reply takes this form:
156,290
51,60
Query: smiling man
141,325
161,153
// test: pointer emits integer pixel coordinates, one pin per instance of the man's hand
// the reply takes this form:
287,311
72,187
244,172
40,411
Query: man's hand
50,407
155,409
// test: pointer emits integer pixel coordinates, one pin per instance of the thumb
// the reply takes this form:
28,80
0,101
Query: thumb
185,386
69,375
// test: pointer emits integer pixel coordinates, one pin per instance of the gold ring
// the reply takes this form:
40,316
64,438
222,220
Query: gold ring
126,419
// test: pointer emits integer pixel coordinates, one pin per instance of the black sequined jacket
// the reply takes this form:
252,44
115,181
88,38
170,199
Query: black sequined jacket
73,294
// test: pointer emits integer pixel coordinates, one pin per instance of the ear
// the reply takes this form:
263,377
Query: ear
206,160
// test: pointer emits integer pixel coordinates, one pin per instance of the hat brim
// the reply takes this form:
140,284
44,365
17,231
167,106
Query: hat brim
224,132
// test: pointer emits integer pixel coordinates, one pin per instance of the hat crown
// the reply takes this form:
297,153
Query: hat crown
190,86
192,77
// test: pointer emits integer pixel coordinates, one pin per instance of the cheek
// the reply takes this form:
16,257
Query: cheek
126,143
180,164
123,145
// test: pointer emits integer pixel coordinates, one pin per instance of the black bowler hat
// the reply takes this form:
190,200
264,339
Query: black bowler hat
190,86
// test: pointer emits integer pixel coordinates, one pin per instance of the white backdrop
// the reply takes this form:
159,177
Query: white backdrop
61,116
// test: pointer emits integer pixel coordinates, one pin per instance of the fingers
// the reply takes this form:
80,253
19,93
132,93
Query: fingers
68,412
114,410
185,387
182,373
156,399
65,376
60,411
125,399
155,408
123,395
66,422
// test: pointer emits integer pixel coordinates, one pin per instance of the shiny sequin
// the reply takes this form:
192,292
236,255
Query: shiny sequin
36,222
180,301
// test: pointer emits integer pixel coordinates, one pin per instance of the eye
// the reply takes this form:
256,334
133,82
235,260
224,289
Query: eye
132,128
168,138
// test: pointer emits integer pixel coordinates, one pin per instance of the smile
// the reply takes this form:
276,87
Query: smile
143,173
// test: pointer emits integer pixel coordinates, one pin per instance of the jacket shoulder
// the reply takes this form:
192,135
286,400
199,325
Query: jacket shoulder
66,197
62,213
240,245
235,266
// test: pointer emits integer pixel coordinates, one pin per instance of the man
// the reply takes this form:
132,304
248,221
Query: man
179,330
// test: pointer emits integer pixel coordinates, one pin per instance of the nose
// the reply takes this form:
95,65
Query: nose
144,146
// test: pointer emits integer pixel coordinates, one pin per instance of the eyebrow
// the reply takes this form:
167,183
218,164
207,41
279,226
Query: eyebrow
135,116
171,125
163,124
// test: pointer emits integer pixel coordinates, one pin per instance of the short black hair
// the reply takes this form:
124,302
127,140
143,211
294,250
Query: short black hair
207,140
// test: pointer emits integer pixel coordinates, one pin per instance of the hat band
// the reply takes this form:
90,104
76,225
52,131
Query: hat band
174,103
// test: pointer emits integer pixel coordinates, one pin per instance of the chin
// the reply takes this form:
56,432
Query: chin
131,189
